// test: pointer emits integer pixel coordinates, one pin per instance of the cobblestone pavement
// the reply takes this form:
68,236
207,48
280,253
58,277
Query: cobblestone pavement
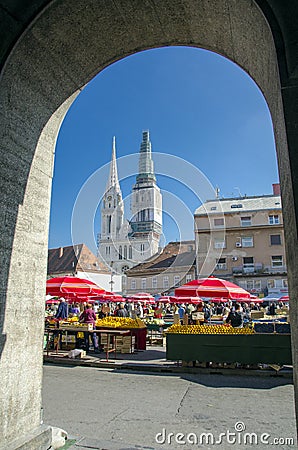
111,409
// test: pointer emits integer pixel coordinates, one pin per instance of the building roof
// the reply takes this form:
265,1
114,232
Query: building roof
72,259
239,205
173,255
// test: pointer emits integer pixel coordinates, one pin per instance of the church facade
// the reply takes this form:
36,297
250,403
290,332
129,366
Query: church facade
124,243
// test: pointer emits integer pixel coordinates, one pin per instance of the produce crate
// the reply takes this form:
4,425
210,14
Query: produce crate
246,349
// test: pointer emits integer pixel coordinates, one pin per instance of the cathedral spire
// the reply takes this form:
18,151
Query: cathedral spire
113,181
146,170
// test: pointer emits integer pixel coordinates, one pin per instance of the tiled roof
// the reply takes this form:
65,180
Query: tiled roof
234,205
73,258
173,254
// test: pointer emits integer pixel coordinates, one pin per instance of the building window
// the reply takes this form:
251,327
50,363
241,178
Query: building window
166,282
273,219
176,280
188,278
125,251
253,285
276,284
143,283
109,221
249,285
285,283
276,261
275,239
219,222
245,221
221,264
142,247
120,252
219,243
248,264
154,282
130,252
247,241
133,284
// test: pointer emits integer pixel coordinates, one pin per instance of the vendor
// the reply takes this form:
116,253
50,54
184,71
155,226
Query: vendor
235,317
88,316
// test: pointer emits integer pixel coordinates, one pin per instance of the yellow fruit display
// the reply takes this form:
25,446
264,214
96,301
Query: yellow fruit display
119,322
73,319
207,329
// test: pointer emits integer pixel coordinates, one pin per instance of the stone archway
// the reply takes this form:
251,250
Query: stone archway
62,49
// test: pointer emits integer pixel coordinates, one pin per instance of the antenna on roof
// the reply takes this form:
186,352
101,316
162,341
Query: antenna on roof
217,191
240,195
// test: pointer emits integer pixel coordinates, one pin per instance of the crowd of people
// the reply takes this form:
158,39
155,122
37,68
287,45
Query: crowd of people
231,312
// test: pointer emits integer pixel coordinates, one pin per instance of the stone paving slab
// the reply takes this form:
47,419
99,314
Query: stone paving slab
118,409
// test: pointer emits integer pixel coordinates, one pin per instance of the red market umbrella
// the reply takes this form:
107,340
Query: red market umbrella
212,287
142,297
163,299
51,302
284,298
72,287
193,300
109,297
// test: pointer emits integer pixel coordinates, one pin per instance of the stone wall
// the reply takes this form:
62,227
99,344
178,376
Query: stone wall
67,45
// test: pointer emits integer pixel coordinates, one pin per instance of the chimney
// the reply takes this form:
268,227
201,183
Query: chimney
276,188
60,252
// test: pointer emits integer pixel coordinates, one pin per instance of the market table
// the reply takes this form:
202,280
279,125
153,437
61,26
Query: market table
157,329
139,334
113,334
246,349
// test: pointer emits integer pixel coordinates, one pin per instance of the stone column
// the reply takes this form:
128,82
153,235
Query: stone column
289,184
26,168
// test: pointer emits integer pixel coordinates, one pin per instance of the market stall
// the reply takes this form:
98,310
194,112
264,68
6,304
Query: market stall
225,344
136,327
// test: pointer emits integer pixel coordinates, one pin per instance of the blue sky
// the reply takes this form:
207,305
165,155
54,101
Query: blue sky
197,105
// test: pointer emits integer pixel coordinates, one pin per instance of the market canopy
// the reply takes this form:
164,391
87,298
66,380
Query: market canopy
193,300
108,297
72,288
141,297
212,287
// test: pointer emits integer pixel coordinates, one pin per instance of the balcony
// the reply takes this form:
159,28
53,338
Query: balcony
277,269
252,268
258,268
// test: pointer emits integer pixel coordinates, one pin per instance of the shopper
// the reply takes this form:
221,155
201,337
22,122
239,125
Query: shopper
62,311
121,311
88,316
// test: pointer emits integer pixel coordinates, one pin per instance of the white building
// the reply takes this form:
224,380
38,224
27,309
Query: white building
124,243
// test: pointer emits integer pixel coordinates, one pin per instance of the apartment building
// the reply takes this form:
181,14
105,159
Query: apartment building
174,266
245,238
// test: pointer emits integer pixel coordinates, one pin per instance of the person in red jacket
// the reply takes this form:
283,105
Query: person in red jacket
88,316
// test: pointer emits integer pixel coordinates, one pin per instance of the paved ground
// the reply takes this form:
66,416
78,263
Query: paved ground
111,409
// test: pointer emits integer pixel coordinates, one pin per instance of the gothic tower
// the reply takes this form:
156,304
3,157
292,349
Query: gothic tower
112,213
146,204
122,244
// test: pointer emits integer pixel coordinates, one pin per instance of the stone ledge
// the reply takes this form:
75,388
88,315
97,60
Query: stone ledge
38,439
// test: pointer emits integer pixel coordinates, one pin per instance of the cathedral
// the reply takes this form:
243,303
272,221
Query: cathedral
124,243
